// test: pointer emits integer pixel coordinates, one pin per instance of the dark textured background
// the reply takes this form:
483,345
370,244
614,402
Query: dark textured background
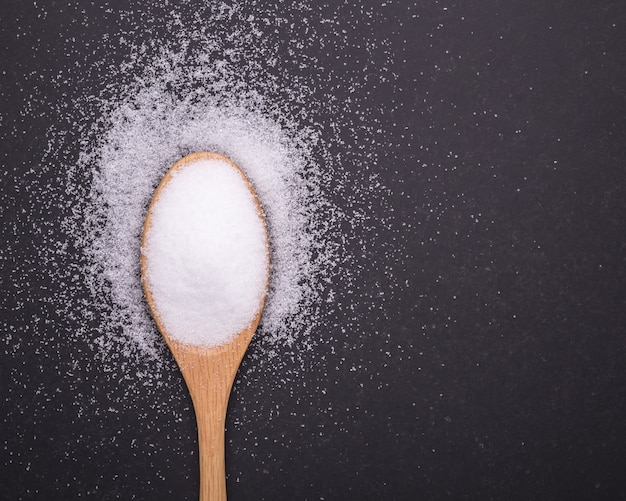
499,373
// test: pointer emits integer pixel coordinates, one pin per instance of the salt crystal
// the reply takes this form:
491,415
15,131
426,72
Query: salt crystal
205,253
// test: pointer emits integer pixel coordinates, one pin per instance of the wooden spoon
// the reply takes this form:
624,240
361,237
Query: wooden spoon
208,372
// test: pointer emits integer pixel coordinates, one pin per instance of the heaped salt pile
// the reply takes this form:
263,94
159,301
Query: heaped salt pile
204,252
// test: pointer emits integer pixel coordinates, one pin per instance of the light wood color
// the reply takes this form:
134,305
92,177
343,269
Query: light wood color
208,372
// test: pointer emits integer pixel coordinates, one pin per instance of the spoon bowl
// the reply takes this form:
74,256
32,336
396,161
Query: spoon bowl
209,371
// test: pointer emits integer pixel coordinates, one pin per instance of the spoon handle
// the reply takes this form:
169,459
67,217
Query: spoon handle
210,408
209,374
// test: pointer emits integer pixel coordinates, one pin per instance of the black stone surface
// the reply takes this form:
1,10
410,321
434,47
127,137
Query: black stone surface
498,373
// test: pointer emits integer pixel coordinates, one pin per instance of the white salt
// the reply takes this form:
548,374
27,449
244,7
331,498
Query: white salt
144,135
206,254
215,86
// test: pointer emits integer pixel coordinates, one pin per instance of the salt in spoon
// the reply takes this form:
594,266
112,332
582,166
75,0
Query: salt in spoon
209,372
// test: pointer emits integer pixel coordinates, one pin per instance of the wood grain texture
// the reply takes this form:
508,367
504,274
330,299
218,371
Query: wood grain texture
208,372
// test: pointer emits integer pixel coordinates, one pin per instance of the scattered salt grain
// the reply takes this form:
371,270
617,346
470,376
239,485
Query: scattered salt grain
144,134
216,86
205,253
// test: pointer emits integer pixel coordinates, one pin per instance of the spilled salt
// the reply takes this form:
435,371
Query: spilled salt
139,142
205,252
212,83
